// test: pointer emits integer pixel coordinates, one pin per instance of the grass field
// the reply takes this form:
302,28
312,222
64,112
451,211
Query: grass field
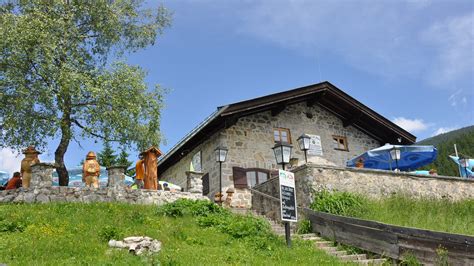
438,215
74,233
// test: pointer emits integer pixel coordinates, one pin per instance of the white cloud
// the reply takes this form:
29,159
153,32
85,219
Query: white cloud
9,161
443,130
411,125
453,39
387,38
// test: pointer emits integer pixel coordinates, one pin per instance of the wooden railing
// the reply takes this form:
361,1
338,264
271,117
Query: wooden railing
393,241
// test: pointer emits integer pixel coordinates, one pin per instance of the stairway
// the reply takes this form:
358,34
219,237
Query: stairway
329,247
319,243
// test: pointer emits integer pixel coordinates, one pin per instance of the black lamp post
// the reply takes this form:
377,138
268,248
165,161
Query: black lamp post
303,142
395,155
282,153
221,154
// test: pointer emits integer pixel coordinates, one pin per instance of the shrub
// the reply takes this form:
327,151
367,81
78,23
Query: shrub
197,208
339,203
304,227
11,226
109,232
409,259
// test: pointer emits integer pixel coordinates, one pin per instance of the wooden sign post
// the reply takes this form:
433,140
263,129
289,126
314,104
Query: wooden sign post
287,201
151,168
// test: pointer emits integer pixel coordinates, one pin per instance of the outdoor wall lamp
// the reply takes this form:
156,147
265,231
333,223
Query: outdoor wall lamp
395,155
282,153
303,142
221,155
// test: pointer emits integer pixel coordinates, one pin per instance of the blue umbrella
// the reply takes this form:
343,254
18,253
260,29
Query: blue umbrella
411,157
75,178
465,171
3,178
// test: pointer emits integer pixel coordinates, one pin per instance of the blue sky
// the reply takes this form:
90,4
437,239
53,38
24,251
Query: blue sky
411,61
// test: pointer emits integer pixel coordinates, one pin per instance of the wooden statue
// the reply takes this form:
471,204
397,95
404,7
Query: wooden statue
91,170
151,168
140,172
31,157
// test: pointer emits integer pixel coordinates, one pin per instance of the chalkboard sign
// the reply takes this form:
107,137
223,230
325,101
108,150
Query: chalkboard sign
287,196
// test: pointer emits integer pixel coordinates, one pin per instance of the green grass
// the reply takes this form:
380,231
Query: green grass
76,234
438,215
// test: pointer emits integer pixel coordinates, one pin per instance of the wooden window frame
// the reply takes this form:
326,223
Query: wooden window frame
256,171
241,171
281,129
344,140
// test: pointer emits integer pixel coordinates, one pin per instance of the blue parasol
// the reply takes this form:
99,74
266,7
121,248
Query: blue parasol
465,171
75,178
411,157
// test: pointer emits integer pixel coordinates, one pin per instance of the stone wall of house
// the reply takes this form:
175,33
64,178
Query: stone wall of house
176,174
378,183
250,143
42,191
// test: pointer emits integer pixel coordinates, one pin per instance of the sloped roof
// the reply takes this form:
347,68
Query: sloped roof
349,110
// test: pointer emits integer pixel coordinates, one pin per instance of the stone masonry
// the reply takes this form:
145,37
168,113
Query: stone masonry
250,143
372,183
42,191
378,183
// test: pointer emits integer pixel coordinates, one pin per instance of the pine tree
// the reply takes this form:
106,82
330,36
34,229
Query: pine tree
123,159
107,157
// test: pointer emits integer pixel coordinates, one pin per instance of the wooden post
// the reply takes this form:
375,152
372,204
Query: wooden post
151,168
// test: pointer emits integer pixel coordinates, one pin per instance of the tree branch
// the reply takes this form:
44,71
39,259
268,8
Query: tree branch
89,131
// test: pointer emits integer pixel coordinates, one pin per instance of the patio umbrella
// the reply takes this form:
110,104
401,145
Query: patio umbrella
411,157
75,178
3,177
465,171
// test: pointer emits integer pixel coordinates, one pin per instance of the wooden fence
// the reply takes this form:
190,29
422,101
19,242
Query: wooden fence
393,241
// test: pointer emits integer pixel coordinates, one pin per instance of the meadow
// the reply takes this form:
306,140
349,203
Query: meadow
192,233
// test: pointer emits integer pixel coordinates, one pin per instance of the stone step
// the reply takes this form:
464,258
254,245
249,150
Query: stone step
371,262
323,243
337,253
313,238
327,249
307,235
353,257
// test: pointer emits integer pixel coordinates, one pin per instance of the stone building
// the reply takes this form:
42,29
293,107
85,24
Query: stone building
340,128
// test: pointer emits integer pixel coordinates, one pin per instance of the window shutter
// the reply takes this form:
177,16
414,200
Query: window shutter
240,177
205,184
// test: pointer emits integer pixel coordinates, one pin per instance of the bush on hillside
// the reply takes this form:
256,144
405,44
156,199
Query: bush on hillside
183,207
339,203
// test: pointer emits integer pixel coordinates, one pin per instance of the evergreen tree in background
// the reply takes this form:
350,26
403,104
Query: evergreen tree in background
464,140
123,160
107,157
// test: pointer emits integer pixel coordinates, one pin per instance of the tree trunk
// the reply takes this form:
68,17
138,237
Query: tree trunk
63,144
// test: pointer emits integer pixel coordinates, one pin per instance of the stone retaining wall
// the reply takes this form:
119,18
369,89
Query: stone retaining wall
378,183
86,195
42,191
368,182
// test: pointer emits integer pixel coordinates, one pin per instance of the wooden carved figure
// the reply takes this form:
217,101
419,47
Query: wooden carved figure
31,157
150,157
91,170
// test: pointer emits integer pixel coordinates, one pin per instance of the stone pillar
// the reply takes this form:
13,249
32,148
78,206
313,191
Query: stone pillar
42,175
116,176
194,182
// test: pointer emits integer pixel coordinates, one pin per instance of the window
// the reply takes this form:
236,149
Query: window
340,143
281,135
244,178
